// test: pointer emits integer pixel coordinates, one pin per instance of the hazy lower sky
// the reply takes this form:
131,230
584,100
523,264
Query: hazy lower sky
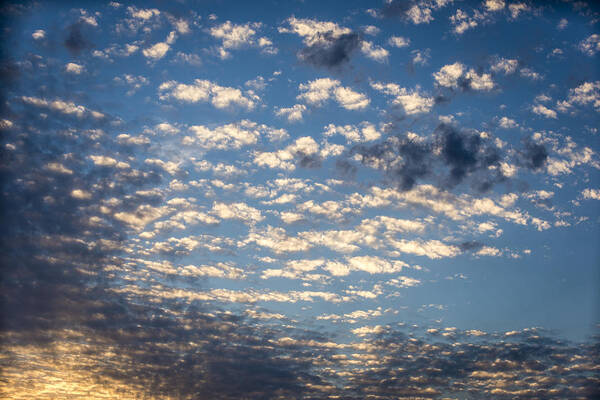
300,199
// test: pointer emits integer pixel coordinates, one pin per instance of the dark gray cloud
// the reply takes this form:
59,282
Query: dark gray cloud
449,157
330,51
77,40
533,155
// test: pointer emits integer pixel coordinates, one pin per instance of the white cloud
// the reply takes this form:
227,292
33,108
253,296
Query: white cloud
562,24
159,50
506,66
517,8
312,31
65,107
433,249
531,74
411,101
371,30
234,135
452,75
420,57
39,34
494,5
239,211
284,159
207,91
364,132
419,15
234,36
399,41
590,45
74,68
319,91
507,123
591,194
81,194
542,110
462,22
293,114
374,52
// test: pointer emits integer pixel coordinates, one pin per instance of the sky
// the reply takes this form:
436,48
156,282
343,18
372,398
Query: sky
300,199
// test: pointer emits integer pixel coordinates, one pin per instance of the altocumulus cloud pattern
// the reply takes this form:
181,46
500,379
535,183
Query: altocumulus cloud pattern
300,200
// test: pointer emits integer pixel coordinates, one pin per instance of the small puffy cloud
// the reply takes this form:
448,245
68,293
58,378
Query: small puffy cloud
457,76
462,22
304,147
293,114
433,249
321,90
232,136
207,91
371,30
591,194
39,34
494,5
413,102
586,93
234,36
374,52
159,50
420,57
399,41
364,132
544,111
562,24
517,8
74,68
507,123
64,107
313,31
239,211
590,45
531,74
418,14
504,65
134,82
81,194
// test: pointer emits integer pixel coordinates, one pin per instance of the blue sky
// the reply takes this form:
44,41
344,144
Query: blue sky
286,194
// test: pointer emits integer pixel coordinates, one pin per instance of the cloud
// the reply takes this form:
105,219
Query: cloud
591,194
319,91
374,52
39,34
293,113
232,136
364,132
591,45
207,91
74,68
506,66
304,151
534,155
494,5
64,107
159,50
76,40
544,111
235,37
399,41
416,12
407,159
412,102
457,76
